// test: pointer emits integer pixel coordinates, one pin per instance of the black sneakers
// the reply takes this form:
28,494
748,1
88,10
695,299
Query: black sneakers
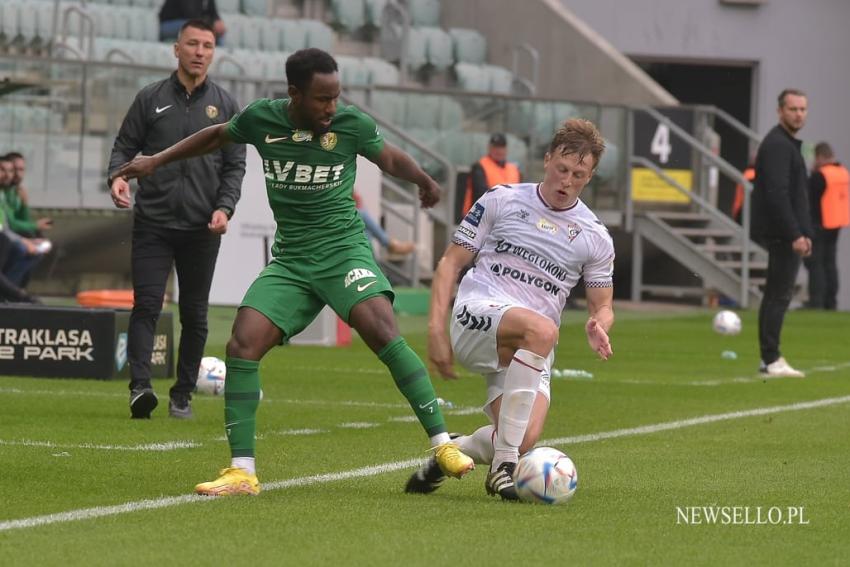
501,482
142,403
427,479
179,407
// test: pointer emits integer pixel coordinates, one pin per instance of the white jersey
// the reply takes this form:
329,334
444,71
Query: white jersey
530,253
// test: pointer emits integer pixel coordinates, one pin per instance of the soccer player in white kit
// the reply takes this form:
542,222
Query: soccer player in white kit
531,243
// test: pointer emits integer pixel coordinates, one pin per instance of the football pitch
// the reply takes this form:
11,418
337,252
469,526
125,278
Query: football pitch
684,457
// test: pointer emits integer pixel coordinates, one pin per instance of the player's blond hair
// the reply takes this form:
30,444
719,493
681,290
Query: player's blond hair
578,136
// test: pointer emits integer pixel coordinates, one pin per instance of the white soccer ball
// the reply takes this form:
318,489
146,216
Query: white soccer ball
211,374
727,323
546,476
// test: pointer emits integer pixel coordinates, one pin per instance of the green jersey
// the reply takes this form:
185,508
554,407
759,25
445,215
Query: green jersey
309,177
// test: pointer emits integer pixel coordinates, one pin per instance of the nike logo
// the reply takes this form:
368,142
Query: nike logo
270,140
431,404
163,109
364,286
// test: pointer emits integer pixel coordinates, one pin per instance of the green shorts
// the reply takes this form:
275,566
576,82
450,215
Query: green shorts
292,292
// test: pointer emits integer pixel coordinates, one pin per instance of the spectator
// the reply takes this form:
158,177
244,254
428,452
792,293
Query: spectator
781,223
375,231
738,204
24,255
180,212
175,13
828,198
491,170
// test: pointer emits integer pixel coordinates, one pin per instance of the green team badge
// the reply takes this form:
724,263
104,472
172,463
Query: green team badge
328,141
302,136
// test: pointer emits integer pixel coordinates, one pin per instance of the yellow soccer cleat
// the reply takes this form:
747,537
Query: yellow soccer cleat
452,461
232,481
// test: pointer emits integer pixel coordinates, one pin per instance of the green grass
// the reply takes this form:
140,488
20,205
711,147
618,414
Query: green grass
667,367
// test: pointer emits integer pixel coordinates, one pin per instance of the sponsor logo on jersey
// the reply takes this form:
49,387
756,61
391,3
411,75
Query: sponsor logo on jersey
548,266
358,274
522,277
547,226
522,214
573,230
302,136
328,141
212,112
475,214
270,140
277,170
467,232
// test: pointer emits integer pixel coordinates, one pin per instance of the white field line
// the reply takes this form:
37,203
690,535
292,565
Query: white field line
130,507
165,446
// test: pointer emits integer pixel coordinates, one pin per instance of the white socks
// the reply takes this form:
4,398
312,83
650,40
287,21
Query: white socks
245,463
521,381
479,445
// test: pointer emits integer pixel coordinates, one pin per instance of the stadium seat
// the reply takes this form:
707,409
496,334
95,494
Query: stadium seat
319,35
276,65
501,79
438,50
424,12
271,31
349,14
250,36
293,35
258,8
9,18
44,21
352,73
517,150
226,7
417,48
472,77
468,45
27,24
608,165
381,72
374,12
389,105
451,114
421,110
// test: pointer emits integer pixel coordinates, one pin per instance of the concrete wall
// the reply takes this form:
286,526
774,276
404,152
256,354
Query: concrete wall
575,62
793,43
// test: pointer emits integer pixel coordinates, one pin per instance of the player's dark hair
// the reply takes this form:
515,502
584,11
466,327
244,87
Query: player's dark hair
197,24
14,155
824,150
785,92
578,136
304,63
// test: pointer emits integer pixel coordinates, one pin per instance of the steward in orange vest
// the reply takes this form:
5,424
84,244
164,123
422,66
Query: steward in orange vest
489,171
738,204
829,189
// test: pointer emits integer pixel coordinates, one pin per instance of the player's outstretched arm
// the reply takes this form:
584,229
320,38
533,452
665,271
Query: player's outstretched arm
448,268
202,142
399,164
600,305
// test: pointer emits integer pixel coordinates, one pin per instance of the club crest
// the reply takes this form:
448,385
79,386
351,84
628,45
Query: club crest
328,141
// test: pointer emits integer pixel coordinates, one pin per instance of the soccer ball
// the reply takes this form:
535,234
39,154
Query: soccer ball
727,323
546,476
211,375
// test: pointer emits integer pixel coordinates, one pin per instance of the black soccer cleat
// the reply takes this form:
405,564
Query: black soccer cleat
142,403
427,479
501,482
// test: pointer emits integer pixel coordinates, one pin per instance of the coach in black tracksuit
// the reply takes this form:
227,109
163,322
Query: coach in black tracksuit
781,223
180,211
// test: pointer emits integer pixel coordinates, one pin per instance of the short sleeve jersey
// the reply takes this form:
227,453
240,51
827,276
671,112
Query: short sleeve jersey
309,177
532,254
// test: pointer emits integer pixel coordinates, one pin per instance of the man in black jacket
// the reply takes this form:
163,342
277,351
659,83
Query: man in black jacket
180,212
781,223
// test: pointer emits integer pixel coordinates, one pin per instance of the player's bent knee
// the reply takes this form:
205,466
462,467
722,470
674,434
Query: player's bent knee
542,337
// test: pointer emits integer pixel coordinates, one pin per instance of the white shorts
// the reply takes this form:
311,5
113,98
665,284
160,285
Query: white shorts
473,334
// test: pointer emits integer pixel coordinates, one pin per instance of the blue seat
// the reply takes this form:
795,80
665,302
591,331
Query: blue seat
352,73
472,77
293,35
469,45
319,35
424,12
258,8
350,14
381,71
438,50
374,12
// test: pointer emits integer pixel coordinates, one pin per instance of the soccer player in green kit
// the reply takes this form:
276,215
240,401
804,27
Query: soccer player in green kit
309,147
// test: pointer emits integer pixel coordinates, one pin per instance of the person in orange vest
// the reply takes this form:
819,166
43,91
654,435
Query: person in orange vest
828,198
738,204
489,171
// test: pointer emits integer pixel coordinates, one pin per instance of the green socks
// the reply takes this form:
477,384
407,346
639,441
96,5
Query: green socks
411,378
241,398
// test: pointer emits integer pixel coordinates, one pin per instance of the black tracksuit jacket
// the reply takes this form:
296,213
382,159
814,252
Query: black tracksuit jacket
182,194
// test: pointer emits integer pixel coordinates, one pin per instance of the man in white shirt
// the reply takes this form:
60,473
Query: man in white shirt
531,243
